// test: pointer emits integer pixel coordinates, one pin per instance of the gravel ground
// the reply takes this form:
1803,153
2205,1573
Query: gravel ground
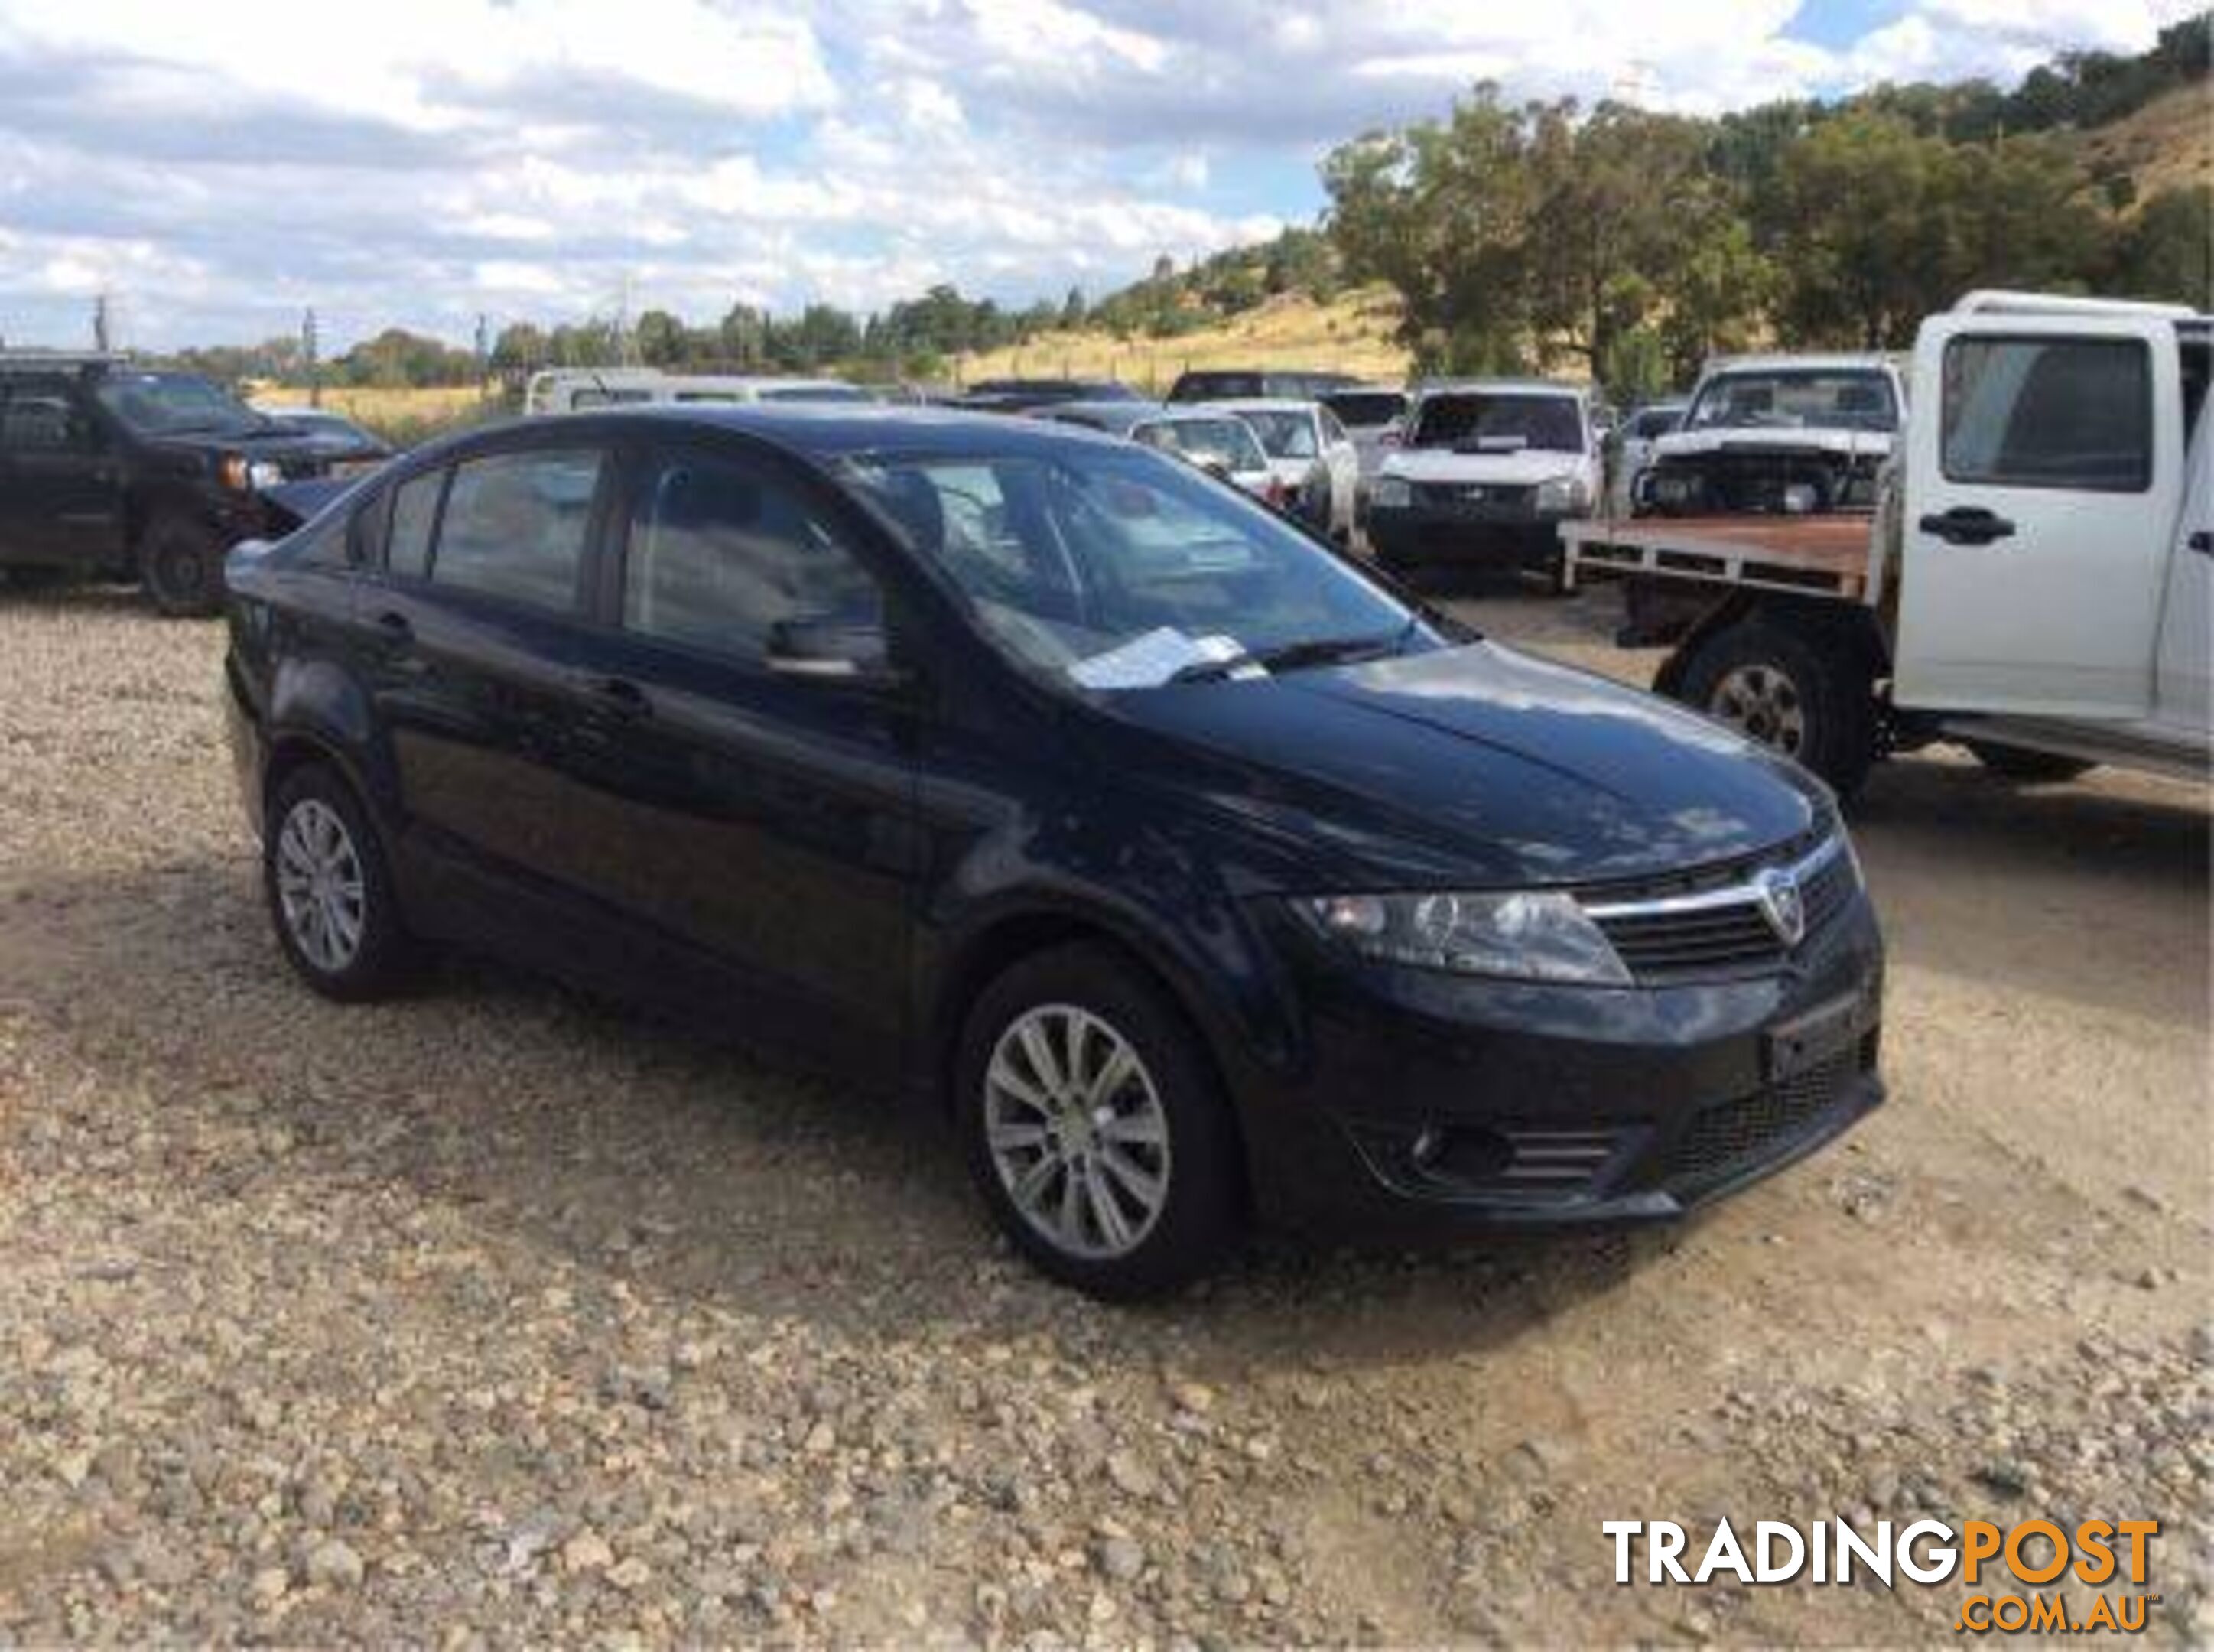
500,1315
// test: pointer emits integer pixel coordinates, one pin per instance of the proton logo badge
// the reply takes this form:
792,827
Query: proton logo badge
1781,904
1471,493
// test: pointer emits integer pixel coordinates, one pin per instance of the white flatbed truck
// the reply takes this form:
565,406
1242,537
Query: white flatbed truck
2035,582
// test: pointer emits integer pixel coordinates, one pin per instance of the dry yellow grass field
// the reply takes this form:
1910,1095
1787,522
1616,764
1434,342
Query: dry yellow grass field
1350,334
2168,144
383,406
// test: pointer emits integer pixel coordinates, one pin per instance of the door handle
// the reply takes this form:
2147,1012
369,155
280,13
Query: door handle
392,627
613,696
1967,524
2201,541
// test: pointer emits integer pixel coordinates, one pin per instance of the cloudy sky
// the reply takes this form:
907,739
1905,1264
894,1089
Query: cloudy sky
217,165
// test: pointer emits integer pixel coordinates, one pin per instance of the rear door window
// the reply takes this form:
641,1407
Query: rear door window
2048,412
515,526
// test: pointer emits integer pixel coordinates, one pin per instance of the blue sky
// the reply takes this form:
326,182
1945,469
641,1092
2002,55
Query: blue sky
218,166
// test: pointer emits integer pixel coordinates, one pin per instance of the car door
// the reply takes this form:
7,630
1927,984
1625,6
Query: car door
474,633
61,496
2182,692
764,791
2045,469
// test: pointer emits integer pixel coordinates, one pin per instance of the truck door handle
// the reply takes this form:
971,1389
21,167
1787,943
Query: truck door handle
1967,524
2202,541
392,627
613,696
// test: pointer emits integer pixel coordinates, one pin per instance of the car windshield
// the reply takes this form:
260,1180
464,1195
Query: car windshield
1654,421
1285,433
1498,421
175,403
1363,408
1227,441
1120,569
1835,399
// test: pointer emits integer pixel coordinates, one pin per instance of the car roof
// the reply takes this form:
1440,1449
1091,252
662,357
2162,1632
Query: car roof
823,432
1815,361
1256,404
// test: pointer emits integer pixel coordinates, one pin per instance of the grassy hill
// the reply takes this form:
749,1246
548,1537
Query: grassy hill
2167,145
1351,333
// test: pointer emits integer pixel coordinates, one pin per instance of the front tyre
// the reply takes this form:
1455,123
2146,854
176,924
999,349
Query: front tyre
1812,702
1094,1127
180,564
330,893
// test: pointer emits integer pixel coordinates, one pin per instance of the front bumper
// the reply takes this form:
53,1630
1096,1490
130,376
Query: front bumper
1415,537
1553,1104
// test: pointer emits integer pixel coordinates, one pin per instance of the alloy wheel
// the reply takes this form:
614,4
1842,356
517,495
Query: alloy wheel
1764,703
321,886
1076,1131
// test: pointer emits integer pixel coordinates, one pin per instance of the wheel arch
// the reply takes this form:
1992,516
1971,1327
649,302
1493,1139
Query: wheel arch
992,947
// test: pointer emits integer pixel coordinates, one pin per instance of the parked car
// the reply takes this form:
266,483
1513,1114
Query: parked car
1257,384
1221,444
580,389
2034,583
1017,395
110,471
1312,456
1778,435
1489,470
1191,870
1374,418
345,447
1638,435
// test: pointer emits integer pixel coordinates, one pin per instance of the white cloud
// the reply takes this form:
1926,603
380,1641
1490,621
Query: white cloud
420,160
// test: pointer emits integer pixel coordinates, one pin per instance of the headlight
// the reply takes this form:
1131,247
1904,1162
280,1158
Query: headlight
231,471
1558,495
1392,493
1524,936
262,473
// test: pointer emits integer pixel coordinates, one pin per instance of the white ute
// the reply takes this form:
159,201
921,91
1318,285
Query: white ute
2035,584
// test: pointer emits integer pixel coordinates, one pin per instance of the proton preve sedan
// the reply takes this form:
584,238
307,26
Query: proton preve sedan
1198,875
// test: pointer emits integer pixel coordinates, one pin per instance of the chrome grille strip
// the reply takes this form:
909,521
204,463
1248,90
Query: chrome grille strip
1734,895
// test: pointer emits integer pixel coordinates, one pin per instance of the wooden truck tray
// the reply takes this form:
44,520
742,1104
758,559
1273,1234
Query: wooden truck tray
1821,555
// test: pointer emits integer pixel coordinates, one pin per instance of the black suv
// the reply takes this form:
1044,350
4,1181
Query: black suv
1191,870
110,471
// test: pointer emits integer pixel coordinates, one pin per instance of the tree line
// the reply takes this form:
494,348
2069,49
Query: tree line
1629,245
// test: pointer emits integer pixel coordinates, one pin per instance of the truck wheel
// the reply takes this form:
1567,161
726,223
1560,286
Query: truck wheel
180,564
1814,703
2020,763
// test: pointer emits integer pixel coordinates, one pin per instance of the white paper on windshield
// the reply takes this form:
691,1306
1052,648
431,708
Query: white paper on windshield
1149,661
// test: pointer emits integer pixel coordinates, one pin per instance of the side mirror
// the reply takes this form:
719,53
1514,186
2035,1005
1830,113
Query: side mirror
855,652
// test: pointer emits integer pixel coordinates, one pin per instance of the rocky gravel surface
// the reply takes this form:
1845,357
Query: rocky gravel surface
497,1315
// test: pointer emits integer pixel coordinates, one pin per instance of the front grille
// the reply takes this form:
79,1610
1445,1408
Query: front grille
1718,926
1732,1135
1473,499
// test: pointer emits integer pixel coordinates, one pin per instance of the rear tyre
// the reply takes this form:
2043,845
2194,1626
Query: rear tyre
2030,768
330,893
1815,705
180,564
1094,1126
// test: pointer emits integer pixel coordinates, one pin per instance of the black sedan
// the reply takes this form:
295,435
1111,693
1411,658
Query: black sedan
1193,873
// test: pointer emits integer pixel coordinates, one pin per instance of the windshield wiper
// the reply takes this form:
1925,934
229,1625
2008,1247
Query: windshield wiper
1298,656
